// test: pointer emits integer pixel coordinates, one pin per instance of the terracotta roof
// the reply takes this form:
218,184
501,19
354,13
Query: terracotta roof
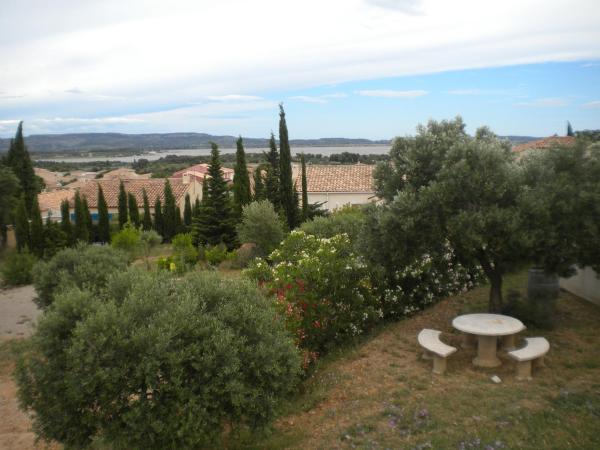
154,188
53,199
545,143
199,171
343,178
124,174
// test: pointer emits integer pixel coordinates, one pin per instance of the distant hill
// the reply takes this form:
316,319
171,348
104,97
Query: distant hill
86,142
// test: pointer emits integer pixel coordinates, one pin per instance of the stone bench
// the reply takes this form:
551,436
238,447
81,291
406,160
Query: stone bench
533,351
430,341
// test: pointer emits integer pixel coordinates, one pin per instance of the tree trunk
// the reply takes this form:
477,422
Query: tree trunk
495,304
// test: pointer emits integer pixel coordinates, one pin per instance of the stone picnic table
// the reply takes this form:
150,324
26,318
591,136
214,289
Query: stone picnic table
486,329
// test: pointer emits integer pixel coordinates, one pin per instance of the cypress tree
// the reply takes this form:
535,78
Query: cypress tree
65,221
569,129
178,222
304,189
19,161
22,225
147,219
89,226
134,212
272,189
80,232
169,213
259,187
103,221
36,230
199,225
158,217
54,238
122,206
289,201
187,213
241,180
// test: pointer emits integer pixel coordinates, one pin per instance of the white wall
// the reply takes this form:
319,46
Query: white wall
336,200
585,284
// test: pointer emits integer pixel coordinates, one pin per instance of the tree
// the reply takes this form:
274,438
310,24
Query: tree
65,221
80,232
158,217
272,189
199,219
169,213
241,180
187,213
134,212
147,219
469,199
103,220
259,187
36,230
178,221
123,215
89,225
9,196
22,225
289,201
149,239
54,238
304,189
19,161
262,226
569,129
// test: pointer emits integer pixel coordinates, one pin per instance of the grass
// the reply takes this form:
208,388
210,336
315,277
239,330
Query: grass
380,394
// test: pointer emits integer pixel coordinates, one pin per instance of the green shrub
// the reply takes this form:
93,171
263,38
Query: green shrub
322,289
16,268
85,266
349,220
185,254
262,226
128,240
217,254
158,363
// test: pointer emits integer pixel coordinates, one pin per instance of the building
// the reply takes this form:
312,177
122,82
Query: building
336,186
200,171
50,202
544,144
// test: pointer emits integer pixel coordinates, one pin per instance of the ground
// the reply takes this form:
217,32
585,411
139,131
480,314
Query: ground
380,394
17,312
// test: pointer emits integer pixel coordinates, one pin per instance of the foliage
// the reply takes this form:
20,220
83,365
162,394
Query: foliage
84,266
289,200
65,221
54,239
80,231
36,230
156,363
169,213
122,205
16,268
127,240
216,254
187,213
148,240
304,188
103,221
22,225
19,161
259,185
158,217
166,263
134,211
147,218
9,195
322,289
241,179
88,220
262,226
185,254
348,219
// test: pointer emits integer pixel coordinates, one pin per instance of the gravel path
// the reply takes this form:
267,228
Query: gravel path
17,312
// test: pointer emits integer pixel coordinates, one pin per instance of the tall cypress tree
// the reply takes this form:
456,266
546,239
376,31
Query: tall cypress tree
134,211
147,219
289,200
159,225
259,187
178,222
272,189
103,221
304,189
123,215
169,213
569,129
199,223
36,230
80,232
187,213
19,161
89,225
241,181
65,221
22,225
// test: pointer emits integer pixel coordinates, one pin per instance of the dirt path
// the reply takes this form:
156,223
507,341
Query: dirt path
17,312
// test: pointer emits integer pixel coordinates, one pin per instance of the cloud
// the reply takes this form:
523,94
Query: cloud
233,98
592,105
477,91
552,102
318,98
385,93
591,64
405,6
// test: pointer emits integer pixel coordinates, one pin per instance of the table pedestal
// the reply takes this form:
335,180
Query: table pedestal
486,352
507,343
469,341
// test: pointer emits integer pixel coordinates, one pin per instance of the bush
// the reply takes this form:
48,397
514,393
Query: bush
217,254
17,267
262,226
159,363
185,254
349,220
85,266
128,240
322,290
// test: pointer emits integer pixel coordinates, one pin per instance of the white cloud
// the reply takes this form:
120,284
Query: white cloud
386,93
591,64
318,98
592,105
477,91
405,6
233,98
552,102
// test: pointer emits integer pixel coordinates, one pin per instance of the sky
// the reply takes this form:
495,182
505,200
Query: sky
342,68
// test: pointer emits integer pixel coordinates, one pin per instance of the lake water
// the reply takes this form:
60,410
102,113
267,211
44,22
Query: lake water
154,155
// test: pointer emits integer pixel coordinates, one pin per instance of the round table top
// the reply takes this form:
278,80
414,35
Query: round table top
488,324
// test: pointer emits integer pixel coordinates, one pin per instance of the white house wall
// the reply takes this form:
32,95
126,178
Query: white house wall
336,200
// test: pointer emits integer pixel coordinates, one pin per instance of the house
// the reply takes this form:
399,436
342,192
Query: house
50,201
154,188
200,171
543,144
338,185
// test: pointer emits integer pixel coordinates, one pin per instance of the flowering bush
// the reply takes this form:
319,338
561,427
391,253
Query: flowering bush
321,288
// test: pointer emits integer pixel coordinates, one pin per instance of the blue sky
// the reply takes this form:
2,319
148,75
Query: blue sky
343,68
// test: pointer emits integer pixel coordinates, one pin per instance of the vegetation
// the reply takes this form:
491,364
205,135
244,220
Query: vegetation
103,219
9,196
262,226
185,255
272,183
169,214
16,268
122,206
241,179
134,211
289,196
304,189
127,240
36,230
19,161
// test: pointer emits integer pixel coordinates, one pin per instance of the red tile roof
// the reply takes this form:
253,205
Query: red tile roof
545,143
343,178
154,188
53,199
199,171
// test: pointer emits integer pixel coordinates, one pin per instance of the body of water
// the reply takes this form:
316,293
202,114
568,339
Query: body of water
154,155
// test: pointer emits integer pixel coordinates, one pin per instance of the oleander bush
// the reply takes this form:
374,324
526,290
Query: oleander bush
84,266
17,268
156,362
349,220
